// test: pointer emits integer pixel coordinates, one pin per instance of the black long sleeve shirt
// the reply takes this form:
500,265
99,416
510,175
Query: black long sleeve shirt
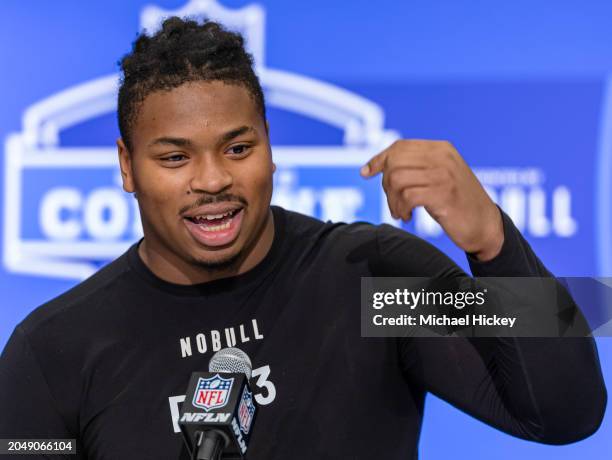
108,362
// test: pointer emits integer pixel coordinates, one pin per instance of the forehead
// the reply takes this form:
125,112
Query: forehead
195,107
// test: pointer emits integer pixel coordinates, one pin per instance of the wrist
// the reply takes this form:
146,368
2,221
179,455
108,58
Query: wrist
493,238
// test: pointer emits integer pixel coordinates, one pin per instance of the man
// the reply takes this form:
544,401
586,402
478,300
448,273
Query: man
107,362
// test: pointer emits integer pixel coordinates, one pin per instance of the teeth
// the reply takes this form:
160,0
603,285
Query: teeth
202,223
214,216
216,228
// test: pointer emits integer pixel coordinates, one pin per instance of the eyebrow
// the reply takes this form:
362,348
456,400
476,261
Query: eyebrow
183,142
228,136
175,141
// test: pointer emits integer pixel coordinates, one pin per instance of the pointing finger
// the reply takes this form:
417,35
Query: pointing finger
374,166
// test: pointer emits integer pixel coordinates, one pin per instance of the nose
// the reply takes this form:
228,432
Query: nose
210,175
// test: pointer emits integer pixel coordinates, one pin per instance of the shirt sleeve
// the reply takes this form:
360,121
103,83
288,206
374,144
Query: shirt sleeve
516,258
548,390
27,407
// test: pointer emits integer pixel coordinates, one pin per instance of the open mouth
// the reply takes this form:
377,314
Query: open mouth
215,229
215,223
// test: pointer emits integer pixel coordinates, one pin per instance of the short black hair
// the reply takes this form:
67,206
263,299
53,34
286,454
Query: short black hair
182,51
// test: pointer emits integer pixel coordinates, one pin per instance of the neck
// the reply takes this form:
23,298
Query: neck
169,266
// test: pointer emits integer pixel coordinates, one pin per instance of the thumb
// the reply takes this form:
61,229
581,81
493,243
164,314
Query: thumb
374,166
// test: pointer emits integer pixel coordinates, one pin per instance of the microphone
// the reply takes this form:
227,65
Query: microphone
216,419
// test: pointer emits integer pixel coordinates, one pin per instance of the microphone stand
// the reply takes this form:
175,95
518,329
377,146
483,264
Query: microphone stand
209,445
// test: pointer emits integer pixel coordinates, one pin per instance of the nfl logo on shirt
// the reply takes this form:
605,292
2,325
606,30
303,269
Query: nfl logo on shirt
212,393
246,411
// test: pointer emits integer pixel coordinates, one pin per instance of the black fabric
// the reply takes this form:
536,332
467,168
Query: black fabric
102,362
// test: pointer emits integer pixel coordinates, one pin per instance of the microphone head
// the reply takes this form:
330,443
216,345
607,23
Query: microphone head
231,360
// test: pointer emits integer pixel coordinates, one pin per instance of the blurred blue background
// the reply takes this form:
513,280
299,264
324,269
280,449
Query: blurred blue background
520,88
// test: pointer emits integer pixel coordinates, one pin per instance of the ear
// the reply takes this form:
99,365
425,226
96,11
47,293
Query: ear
125,163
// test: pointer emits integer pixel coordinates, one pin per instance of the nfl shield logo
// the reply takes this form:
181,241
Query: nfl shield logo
212,393
246,411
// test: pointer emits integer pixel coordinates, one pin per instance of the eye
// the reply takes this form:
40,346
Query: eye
174,158
239,150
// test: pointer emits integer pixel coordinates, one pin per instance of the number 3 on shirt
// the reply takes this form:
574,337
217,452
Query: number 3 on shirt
261,374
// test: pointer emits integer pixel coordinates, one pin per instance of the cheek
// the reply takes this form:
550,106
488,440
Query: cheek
159,188
259,185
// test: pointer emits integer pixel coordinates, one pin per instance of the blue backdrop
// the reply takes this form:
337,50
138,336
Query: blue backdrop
521,88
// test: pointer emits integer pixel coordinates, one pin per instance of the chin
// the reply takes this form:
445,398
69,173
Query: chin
217,263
